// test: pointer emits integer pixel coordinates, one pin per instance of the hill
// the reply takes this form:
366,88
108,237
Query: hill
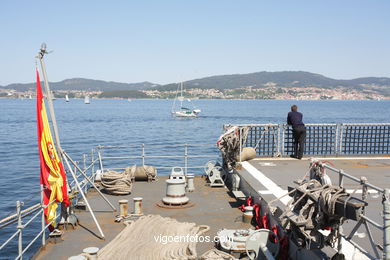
280,79
85,84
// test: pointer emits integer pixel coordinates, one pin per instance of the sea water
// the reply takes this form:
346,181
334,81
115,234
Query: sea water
149,122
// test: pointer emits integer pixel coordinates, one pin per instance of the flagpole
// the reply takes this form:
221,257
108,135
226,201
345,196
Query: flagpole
41,54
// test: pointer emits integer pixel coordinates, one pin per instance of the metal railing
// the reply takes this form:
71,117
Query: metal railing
38,209
190,157
271,140
363,219
113,158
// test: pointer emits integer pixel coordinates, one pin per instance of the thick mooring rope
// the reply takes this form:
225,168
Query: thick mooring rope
118,183
141,240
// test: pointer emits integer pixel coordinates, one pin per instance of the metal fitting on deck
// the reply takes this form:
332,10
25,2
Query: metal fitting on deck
123,206
176,194
190,183
248,214
137,206
91,252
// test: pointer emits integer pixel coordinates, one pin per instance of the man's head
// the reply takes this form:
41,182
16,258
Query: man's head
294,108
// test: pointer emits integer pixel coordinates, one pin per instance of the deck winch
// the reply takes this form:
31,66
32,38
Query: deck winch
214,173
249,242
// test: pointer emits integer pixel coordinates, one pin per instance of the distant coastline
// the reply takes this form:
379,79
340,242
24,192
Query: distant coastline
285,85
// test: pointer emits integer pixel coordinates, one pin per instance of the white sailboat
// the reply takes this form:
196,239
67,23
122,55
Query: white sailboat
183,111
86,100
66,98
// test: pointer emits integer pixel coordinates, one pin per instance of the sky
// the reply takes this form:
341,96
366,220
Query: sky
170,41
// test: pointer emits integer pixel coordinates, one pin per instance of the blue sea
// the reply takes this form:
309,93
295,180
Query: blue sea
120,122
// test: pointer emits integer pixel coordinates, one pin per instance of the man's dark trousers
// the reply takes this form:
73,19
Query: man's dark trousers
299,134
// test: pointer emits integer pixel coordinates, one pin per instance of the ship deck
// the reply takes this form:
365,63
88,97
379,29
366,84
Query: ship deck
218,209
268,178
213,207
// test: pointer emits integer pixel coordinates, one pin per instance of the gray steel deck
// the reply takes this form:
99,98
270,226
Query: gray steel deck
284,171
213,207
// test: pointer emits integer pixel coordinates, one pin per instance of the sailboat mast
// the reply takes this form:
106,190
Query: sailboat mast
181,95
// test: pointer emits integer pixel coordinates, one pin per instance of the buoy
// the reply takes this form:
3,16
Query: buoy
123,206
190,183
176,194
137,206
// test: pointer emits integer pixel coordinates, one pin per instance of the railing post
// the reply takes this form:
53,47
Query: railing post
278,143
143,154
386,225
84,162
43,223
93,165
20,228
185,158
240,133
336,141
341,178
341,138
100,161
282,129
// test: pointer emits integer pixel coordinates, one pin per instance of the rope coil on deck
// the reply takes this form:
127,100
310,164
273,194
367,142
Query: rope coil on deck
118,183
140,240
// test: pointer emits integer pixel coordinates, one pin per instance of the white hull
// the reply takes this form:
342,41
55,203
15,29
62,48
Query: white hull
185,114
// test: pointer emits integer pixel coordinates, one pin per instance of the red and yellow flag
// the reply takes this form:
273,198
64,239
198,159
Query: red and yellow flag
53,177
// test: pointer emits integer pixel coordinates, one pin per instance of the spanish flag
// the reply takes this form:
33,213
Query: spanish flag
53,177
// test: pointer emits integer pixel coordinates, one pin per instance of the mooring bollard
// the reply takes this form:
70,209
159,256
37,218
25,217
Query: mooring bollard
190,183
248,214
137,206
123,206
91,252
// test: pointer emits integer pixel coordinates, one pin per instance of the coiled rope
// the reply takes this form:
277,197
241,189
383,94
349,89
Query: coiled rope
145,239
118,183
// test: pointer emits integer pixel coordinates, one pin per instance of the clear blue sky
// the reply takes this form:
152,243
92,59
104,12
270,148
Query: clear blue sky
166,41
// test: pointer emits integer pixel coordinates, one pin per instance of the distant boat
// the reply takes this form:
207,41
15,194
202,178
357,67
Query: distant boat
129,99
66,98
30,97
183,111
86,100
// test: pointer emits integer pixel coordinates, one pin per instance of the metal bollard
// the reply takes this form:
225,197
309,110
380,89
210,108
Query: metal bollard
190,183
123,206
137,206
248,214
77,257
91,252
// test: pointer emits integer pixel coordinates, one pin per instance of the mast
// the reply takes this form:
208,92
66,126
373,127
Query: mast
181,95
40,56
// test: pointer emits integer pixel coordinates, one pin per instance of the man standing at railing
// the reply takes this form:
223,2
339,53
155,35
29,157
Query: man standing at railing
294,118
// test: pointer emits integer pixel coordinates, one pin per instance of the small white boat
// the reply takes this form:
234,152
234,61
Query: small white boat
86,100
66,98
183,111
